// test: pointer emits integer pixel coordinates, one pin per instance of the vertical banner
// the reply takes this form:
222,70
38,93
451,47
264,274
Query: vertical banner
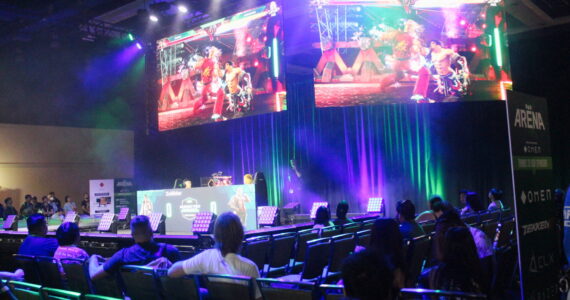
101,194
125,195
531,165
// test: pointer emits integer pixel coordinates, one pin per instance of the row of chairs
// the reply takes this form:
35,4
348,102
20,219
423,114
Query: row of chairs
28,291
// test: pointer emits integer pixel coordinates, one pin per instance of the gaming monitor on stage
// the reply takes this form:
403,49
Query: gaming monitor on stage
225,69
400,51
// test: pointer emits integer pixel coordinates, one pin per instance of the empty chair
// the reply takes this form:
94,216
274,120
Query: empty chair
58,294
316,259
418,251
226,287
301,246
351,227
183,288
363,238
76,274
342,246
331,231
49,272
428,227
273,289
421,294
28,264
280,252
108,286
25,290
140,282
332,291
256,249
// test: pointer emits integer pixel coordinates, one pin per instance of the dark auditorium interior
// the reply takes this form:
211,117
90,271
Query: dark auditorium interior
285,149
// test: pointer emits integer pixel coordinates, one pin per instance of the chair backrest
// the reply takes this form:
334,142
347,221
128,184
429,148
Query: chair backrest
342,246
229,287
302,237
490,229
331,231
99,297
257,249
418,251
368,224
25,290
109,286
363,238
140,282
316,258
332,291
58,294
351,227
428,227
183,288
77,275
274,289
50,273
471,219
30,267
408,293
282,246
505,233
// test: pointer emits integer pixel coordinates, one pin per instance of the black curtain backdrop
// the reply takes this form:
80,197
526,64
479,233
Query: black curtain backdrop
397,152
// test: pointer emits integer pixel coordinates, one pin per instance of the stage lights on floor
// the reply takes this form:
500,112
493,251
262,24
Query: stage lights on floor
203,223
316,206
71,217
108,223
267,216
157,223
375,205
10,223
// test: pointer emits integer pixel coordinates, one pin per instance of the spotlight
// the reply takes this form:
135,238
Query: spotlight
131,37
153,18
204,222
462,22
267,215
255,63
484,26
248,39
182,8
375,205
473,49
139,46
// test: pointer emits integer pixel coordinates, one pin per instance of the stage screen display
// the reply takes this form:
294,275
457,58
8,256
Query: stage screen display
180,206
409,51
225,69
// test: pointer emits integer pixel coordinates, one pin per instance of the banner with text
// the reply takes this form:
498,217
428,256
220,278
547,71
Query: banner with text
101,194
531,162
125,195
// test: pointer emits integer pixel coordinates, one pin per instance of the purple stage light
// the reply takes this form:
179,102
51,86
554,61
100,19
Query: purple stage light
266,215
316,206
139,46
106,222
203,223
123,213
375,205
155,220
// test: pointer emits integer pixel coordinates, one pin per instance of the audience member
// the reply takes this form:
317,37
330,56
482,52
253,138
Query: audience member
341,212
9,209
473,204
429,215
85,205
55,203
386,240
144,251
47,210
27,208
406,211
495,197
69,205
68,237
462,196
367,276
224,257
322,217
460,268
36,206
1,210
37,244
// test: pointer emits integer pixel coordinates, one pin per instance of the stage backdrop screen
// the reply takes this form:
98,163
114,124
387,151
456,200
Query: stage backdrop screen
402,51
180,206
225,69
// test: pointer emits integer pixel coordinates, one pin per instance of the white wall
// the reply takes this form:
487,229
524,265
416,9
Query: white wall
39,159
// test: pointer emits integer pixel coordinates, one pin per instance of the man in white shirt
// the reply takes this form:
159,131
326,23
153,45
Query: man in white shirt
223,258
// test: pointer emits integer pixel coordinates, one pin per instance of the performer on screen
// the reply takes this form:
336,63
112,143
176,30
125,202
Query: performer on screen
238,97
146,206
210,74
237,204
451,84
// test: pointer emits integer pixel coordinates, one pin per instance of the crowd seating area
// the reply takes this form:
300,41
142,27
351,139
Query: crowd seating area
304,264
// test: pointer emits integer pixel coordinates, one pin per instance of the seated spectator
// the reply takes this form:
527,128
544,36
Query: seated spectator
322,218
36,206
46,208
406,211
224,257
341,212
68,237
84,210
462,196
495,196
451,219
69,205
386,240
367,276
429,215
27,208
9,209
472,204
37,244
144,251
460,268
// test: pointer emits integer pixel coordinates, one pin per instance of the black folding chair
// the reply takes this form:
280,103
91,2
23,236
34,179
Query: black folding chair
303,237
183,288
363,238
77,275
140,282
419,294
273,289
30,267
50,273
280,252
331,231
342,246
229,287
110,286
351,227
418,252
256,249
316,259
332,291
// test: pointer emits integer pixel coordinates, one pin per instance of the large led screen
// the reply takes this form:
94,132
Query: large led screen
224,69
408,51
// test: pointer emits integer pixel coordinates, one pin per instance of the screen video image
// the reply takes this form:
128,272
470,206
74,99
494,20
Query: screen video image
409,51
224,69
